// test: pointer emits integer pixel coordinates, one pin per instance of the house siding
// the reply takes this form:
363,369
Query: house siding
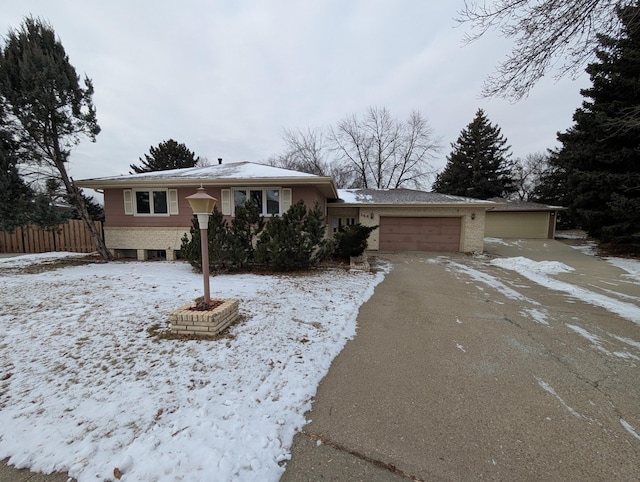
115,216
126,232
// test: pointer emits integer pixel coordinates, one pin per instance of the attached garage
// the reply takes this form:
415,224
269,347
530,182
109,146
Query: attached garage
528,225
420,233
521,219
411,220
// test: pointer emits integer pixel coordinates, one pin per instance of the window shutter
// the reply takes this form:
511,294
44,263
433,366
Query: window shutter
226,201
173,201
286,200
128,201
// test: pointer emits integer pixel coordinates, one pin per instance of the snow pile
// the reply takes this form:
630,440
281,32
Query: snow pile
86,389
521,264
631,266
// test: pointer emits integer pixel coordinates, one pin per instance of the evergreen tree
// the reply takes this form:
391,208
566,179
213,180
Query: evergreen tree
15,194
168,155
600,153
479,165
45,109
294,241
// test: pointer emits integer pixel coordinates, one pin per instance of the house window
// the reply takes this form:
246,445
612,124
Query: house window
152,202
339,222
267,200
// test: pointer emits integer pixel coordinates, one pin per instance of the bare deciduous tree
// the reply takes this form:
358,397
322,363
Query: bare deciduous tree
546,33
384,152
527,175
310,151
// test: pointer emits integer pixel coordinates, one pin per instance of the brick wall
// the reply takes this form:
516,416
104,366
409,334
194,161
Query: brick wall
145,238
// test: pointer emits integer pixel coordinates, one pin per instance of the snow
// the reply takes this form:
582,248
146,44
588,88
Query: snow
631,266
541,273
627,426
491,281
548,388
86,389
352,196
231,170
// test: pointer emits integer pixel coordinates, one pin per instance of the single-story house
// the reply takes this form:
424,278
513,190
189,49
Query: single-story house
521,219
147,214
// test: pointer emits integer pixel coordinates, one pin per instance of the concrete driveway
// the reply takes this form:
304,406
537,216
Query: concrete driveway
466,370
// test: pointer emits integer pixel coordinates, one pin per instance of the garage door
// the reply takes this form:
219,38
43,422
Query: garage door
420,234
532,225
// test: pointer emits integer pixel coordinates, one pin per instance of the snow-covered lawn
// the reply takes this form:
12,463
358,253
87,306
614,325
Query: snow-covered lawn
86,389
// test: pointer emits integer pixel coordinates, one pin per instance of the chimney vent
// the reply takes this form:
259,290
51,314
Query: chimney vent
219,160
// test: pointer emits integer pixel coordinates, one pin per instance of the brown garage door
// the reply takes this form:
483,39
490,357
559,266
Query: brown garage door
420,234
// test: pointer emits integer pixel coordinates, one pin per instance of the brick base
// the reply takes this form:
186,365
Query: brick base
190,322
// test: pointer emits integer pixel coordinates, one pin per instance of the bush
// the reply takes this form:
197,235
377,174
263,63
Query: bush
352,240
246,227
294,241
218,242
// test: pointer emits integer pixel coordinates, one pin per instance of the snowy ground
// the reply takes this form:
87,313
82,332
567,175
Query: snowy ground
85,389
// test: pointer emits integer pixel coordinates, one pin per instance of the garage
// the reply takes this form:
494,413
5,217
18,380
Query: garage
528,225
420,233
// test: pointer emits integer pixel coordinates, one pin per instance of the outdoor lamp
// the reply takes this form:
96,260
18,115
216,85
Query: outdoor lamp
202,205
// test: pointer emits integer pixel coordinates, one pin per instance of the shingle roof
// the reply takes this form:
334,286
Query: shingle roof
231,174
508,205
402,196
232,170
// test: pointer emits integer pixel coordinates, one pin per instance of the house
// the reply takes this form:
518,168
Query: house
521,219
147,214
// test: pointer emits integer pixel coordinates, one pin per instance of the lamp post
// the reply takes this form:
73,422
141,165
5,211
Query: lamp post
202,205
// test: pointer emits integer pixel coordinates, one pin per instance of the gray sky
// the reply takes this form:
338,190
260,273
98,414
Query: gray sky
225,77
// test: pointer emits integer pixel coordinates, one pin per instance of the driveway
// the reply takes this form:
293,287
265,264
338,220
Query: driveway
521,364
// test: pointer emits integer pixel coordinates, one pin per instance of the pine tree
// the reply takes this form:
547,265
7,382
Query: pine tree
15,194
44,107
600,153
479,165
168,155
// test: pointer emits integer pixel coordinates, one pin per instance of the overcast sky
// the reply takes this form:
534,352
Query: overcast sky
225,77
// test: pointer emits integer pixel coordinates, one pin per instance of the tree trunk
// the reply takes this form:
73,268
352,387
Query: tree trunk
81,207
78,202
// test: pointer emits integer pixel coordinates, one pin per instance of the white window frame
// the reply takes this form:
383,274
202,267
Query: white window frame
151,191
281,193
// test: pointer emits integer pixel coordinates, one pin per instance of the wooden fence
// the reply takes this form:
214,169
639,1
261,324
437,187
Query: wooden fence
71,236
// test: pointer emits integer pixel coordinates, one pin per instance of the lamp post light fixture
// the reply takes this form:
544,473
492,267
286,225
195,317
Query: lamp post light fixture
202,206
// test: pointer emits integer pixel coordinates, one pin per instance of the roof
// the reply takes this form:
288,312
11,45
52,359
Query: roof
234,173
392,197
516,205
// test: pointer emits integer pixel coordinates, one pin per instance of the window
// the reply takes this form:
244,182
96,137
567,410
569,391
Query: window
152,202
339,222
267,200
270,201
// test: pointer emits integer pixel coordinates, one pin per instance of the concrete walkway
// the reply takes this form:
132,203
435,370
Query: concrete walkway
448,379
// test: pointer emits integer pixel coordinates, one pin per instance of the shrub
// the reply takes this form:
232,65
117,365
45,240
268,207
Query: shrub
294,241
352,240
246,227
218,242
